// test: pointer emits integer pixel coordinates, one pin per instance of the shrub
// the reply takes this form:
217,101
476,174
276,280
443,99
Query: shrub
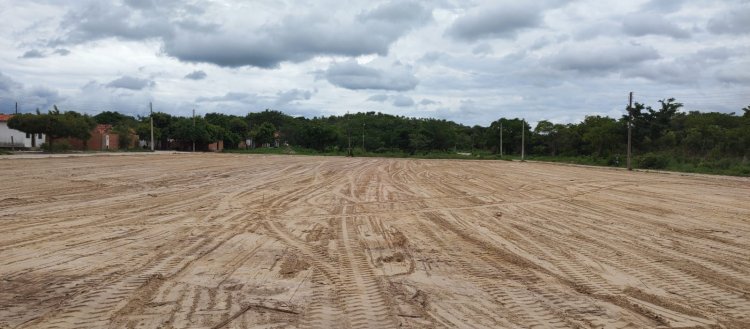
653,161
614,160
57,147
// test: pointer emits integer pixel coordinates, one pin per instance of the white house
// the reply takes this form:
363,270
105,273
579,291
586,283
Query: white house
15,138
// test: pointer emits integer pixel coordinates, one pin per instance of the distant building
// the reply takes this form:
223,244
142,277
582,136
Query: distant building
102,138
276,138
187,146
15,138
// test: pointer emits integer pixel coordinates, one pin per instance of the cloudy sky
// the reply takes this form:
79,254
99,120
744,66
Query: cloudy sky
468,61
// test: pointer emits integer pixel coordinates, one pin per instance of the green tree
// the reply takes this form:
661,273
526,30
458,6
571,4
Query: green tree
319,136
78,126
114,118
264,133
601,134
419,141
29,123
55,125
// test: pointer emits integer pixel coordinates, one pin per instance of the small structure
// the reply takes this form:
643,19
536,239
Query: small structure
103,138
11,138
187,146
216,146
276,138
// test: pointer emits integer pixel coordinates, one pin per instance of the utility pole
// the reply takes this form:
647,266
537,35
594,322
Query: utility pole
151,108
630,128
193,130
349,134
501,138
363,137
523,134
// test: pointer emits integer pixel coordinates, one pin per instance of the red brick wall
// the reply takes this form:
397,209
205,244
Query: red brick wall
95,143
216,147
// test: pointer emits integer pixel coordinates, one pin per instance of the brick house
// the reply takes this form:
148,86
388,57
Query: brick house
102,138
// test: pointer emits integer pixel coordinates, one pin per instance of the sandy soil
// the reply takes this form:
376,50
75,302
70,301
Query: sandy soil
236,241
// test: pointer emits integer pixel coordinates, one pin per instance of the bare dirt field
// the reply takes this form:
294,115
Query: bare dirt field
237,241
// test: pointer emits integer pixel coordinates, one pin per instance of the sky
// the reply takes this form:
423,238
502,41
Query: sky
467,61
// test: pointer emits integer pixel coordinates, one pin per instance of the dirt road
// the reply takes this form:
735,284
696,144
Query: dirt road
236,241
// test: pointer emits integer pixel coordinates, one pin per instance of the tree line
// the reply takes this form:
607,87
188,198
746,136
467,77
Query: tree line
664,132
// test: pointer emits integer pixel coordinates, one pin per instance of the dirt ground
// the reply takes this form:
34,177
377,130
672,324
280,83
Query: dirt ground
238,241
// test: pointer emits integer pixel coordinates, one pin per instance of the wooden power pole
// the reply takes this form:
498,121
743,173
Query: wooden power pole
151,109
523,135
630,129
193,130
349,135
501,138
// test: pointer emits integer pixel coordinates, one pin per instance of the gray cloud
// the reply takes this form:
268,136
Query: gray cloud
196,75
141,4
431,57
592,30
351,75
602,58
7,84
402,101
731,21
28,98
405,13
289,96
33,53
299,38
739,77
293,38
663,6
427,102
482,49
128,82
499,21
228,97
705,64
62,52
378,98
652,24
102,20
193,25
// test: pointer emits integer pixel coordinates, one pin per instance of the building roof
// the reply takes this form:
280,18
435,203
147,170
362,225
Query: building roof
5,117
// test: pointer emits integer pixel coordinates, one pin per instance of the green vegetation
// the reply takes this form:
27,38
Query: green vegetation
663,138
55,125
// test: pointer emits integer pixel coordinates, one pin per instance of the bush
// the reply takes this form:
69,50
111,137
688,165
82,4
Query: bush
653,161
57,147
614,160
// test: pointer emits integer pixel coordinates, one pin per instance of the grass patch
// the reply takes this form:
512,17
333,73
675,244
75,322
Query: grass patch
662,161
656,161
